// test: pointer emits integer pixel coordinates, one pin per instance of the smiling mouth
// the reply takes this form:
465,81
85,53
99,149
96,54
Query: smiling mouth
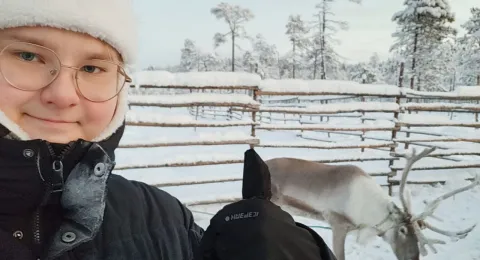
56,121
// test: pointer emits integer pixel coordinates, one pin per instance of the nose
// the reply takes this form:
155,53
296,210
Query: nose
62,92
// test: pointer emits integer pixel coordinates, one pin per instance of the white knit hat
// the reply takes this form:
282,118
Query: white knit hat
112,21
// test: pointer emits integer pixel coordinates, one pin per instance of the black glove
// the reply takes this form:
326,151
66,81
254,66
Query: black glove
256,229
12,249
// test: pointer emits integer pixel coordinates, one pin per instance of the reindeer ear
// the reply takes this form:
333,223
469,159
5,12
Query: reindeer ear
392,207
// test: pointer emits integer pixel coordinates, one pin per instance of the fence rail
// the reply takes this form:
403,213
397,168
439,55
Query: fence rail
380,114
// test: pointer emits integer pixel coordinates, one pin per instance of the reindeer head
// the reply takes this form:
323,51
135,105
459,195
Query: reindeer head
406,237
401,234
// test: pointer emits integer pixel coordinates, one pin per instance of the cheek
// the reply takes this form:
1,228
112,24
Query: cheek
12,100
97,117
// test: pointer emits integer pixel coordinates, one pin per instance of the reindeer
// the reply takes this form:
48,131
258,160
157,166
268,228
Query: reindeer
349,199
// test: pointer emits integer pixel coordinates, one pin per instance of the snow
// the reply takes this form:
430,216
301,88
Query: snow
325,127
444,106
447,152
465,92
188,99
186,159
336,145
196,79
214,137
227,174
175,120
468,91
339,108
326,86
192,158
420,119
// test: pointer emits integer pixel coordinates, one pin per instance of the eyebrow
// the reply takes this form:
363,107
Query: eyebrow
103,54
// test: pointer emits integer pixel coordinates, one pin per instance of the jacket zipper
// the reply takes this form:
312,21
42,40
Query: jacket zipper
57,167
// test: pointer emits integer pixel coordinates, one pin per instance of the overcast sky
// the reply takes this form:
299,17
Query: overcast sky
165,24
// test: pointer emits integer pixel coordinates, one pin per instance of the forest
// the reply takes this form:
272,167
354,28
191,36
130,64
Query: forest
435,56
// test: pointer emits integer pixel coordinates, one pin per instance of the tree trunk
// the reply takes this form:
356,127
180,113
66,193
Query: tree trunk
414,58
294,61
315,66
322,43
233,51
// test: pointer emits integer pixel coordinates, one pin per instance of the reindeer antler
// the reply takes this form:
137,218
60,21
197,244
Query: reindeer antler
430,207
411,159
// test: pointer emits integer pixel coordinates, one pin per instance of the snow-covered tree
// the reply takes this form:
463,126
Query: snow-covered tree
366,72
438,68
423,25
321,55
390,71
262,59
468,48
472,26
209,62
235,17
467,61
297,34
189,59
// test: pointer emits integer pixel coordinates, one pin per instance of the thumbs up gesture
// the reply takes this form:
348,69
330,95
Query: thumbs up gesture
256,229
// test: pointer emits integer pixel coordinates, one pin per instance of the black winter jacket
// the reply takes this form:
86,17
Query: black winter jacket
98,216
61,202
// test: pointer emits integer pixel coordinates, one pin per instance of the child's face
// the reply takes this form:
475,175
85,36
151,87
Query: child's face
57,113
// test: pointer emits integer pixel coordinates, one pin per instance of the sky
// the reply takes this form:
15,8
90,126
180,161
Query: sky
165,24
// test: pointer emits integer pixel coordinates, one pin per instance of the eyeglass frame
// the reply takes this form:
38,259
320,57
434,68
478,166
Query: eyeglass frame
128,79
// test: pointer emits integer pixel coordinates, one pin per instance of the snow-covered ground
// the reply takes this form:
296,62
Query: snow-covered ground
457,213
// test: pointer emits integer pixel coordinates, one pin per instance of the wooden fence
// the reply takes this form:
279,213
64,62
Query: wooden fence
394,110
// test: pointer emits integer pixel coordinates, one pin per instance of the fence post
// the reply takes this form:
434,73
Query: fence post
394,131
254,115
476,114
362,99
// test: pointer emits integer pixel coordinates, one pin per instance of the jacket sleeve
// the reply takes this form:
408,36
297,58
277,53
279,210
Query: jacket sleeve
195,232
175,216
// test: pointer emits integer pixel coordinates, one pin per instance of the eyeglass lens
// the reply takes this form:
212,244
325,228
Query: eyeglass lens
31,67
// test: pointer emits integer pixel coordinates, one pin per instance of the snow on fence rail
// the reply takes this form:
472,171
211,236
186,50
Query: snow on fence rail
193,100
155,119
371,148
197,80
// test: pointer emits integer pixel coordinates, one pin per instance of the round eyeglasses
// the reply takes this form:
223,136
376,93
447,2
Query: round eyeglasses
31,67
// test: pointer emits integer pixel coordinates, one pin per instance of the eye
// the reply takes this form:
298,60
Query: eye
91,69
27,56
421,224
403,230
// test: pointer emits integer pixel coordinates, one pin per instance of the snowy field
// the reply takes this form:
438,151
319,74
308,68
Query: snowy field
457,213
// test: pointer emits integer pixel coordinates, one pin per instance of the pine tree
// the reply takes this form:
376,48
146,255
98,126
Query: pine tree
297,34
422,26
472,26
262,58
468,58
321,54
235,16
189,60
